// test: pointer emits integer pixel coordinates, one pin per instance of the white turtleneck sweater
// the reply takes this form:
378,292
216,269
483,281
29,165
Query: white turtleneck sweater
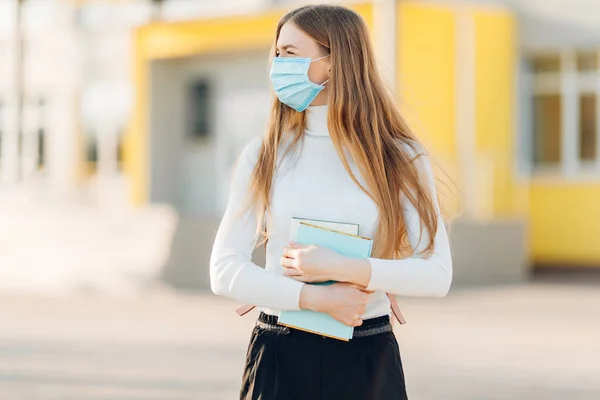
314,184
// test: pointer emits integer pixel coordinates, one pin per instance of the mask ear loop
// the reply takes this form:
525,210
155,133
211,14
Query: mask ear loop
317,59
320,58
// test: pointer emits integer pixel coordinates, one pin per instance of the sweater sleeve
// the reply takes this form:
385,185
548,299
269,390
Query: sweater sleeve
232,272
417,276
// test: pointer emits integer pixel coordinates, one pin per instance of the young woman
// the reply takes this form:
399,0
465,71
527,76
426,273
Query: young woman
336,149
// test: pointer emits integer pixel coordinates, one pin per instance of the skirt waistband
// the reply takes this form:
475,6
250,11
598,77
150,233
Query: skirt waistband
369,327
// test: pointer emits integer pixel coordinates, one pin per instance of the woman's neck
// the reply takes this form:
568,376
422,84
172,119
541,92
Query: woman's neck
316,120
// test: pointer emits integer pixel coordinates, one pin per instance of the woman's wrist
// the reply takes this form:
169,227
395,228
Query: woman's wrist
352,270
309,297
347,269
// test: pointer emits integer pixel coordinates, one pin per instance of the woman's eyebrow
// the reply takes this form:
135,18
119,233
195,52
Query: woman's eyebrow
287,46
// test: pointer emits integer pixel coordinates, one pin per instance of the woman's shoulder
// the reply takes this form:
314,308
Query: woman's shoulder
249,154
252,148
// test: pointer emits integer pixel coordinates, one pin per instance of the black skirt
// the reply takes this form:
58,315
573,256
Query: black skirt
288,364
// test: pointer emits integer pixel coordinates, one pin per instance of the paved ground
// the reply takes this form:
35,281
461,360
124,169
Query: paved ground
81,246
538,341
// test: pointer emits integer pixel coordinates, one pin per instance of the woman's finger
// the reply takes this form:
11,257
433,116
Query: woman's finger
295,275
290,252
300,278
288,262
294,245
293,252
291,271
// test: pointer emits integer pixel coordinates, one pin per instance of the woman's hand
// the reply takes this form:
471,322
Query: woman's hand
310,263
345,302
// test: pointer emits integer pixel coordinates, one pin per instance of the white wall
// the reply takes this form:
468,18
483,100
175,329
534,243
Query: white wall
164,129
538,34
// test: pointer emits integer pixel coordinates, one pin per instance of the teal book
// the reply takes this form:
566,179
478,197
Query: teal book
344,243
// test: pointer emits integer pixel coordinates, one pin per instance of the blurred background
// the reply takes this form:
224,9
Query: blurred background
120,121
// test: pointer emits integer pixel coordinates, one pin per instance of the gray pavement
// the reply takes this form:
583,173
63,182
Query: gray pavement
534,341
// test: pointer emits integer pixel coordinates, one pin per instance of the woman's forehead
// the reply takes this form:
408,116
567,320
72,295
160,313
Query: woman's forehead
291,36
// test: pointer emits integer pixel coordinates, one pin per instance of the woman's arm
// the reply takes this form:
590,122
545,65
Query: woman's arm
232,272
414,276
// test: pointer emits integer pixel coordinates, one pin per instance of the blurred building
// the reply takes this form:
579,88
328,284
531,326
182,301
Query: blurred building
73,78
68,63
504,93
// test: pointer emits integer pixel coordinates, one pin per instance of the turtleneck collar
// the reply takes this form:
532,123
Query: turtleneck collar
316,121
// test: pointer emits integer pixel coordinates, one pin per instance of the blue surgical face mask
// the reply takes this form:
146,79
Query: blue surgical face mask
289,76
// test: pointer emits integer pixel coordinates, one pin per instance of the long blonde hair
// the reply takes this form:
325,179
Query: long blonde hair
363,119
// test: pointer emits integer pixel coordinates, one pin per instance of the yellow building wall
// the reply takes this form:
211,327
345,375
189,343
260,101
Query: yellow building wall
564,217
495,60
188,39
427,86
427,62
565,223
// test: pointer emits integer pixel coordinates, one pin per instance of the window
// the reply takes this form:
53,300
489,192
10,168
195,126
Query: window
41,147
546,63
587,62
546,132
564,116
41,134
91,152
199,110
119,150
588,131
